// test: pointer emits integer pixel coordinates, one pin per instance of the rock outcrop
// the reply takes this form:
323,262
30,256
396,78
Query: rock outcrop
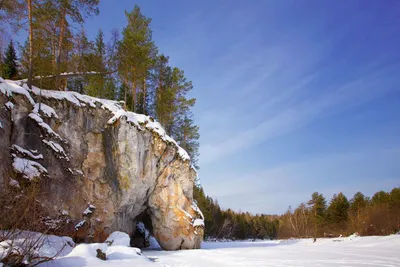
98,166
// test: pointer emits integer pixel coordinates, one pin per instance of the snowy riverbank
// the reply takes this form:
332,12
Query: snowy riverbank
348,251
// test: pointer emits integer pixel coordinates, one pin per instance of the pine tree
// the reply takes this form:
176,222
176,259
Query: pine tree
204,204
318,212
43,43
103,86
338,209
380,197
395,197
358,203
136,51
172,108
357,210
110,89
10,65
395,207
187,135
81,61
75,10
163,100
36,53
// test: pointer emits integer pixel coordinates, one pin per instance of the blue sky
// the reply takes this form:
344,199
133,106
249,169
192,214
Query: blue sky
292,96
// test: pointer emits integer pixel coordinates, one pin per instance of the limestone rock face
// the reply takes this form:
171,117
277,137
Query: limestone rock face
98,166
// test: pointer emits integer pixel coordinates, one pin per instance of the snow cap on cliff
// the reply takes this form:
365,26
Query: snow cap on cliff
8,88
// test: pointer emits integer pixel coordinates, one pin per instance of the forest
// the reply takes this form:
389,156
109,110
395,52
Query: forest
376,215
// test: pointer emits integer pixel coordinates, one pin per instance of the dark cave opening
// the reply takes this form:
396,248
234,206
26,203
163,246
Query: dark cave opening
143,230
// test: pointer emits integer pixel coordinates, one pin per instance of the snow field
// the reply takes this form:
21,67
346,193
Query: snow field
350,252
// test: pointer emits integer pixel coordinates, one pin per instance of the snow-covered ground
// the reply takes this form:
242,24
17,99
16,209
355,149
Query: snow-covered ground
348,251
351,251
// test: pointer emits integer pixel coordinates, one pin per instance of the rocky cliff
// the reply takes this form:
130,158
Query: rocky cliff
99,167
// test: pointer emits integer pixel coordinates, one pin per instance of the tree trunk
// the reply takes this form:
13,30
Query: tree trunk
29,2
133,91
144,96
54,53
158,100
125,91
60,42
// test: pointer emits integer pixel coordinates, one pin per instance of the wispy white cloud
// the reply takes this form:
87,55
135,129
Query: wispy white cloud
273,190
371,86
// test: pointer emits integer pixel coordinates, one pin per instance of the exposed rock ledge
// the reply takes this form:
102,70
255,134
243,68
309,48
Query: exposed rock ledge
99,166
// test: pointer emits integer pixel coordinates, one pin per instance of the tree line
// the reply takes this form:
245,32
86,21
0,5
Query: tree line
128,67
376,215
228,224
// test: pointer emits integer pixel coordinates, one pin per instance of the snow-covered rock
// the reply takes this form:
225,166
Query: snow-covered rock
85,255
118,239
45,109
198,222
34,245
154,244
23,151
27,168
90,150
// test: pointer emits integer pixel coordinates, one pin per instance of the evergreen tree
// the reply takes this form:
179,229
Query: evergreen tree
221,223
358,203
97,84
38,50
357,210
135,51
81,61
204,205
110,89
395,197
172,108
338,209
318,211
164,96
380,197
10,65
395,207
183,129
76,11
187,136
